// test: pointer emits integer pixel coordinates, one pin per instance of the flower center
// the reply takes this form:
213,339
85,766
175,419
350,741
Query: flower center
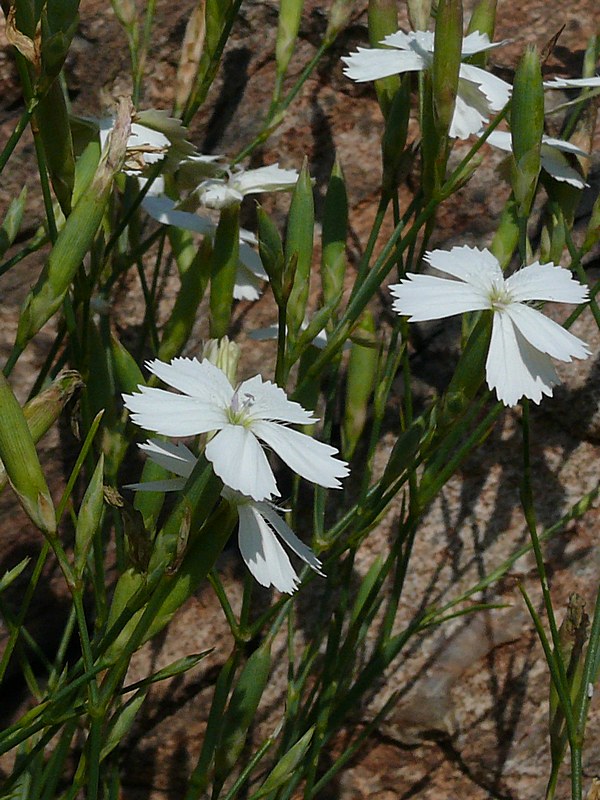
237,413
500,297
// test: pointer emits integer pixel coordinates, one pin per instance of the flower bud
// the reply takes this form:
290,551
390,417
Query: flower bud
527,127
362,374
299,250
447,51
483,19
419,12
21,462
335,231
290,13
224,354
383,20
226,256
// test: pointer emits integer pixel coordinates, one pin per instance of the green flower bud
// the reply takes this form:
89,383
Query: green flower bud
527,127
447,52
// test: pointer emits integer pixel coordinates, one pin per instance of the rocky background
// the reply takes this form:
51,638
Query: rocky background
471,721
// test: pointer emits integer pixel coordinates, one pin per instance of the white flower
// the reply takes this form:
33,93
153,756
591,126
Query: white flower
523,340
260,548
573,83
259,522
250,270
153,136
221,192
479,92
551,152
252,412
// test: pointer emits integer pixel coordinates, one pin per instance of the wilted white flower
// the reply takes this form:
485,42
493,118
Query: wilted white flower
250,270
221,192
523,340
243,418
479,92
259,523
154,135
551,152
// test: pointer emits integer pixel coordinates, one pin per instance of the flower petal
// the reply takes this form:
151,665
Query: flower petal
546,335
572,83
269,402
162,209
372,64
167,485
240,462
564,146
199,379
176,458
264,556
427,297
514,368
500,139
284,531
555,163
496,91
478,42
477,267
247,286
471,112
311,459
271,178
546,282
173,414
420,42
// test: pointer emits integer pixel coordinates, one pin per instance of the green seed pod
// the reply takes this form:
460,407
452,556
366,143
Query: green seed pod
339,16
335,233
483,19
527,127
149,504
204,546
42,411
76,238
224,267
89,517
290,14
383,20
12,221
21,462
124,367
469,373
286,766
419,12
404,452
194,503
241,710
362,374
185,310
447,52
299,249
270,248
120,724
506,238
572,636
395,158
52,119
